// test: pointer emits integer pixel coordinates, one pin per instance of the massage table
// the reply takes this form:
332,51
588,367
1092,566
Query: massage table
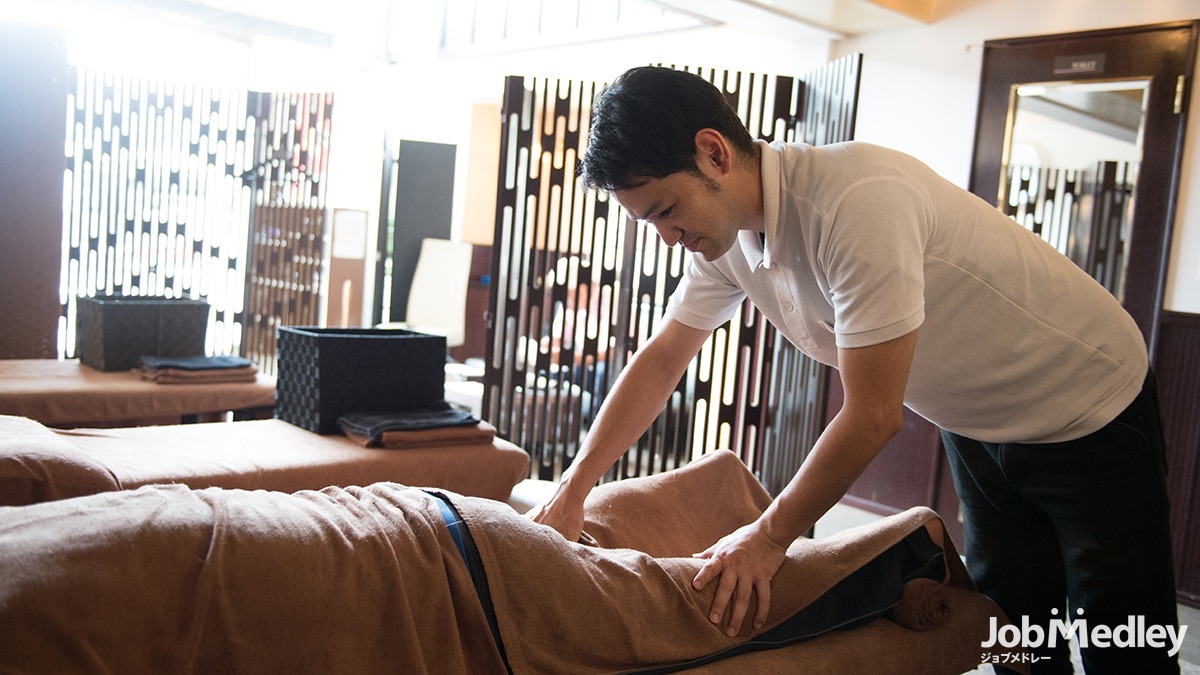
70,394
38,463
378,579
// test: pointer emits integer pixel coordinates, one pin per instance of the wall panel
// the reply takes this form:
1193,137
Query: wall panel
34,80
1178,369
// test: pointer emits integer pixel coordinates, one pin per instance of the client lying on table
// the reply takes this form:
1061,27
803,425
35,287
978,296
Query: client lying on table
388,577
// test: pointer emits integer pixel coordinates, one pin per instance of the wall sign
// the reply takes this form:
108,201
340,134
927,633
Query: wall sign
1082,64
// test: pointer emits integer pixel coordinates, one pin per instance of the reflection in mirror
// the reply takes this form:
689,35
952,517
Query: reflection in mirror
1070,166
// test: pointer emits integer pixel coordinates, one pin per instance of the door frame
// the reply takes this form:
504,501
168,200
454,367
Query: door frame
1160,52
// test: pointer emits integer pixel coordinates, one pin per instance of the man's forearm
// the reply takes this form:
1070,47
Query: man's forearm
636,399
873,381
836,461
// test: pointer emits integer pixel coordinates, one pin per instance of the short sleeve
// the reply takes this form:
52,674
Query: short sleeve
705,298
873,258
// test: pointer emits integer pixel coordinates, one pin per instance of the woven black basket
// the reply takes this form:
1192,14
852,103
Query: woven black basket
324,373
113,332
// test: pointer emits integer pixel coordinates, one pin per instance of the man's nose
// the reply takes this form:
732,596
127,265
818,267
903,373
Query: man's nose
669,235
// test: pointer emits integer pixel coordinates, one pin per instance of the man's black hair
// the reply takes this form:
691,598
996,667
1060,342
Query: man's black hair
644,126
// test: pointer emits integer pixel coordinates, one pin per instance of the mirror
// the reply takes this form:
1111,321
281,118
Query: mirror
1070,167
1079,136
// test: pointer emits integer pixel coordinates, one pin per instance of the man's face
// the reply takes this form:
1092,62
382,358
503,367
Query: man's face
687,209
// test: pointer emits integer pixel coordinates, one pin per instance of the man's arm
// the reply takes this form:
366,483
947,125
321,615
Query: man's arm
874,379
636,399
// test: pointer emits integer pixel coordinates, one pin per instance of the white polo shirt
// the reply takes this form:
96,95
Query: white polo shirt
865,244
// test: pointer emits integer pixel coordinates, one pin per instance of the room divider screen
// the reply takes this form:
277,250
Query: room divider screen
197,192
577,287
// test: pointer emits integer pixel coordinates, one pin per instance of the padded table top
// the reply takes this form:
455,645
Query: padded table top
68,393
44,463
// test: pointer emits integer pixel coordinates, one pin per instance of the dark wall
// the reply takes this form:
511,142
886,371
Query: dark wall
33,108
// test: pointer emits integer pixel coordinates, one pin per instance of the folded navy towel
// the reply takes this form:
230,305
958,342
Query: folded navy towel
195,362
372,425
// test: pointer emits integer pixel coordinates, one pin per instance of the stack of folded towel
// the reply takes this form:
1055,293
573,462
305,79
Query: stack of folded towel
196,369
433,426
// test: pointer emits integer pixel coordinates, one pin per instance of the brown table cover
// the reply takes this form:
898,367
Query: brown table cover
68,393
38,463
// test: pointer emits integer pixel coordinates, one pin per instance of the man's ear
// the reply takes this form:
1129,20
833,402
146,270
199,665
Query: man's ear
713,151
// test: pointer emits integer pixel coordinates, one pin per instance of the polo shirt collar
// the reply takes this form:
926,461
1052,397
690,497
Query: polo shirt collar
757,250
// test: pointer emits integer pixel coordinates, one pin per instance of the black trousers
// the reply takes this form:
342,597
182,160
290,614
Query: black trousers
1080,525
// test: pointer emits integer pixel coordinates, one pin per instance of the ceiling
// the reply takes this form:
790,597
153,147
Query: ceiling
486,26
809,19
321,23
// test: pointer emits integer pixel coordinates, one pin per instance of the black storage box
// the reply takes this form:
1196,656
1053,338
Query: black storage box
113,332
324,373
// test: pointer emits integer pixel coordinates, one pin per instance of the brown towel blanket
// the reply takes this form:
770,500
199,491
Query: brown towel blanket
182,376
645,531
167,579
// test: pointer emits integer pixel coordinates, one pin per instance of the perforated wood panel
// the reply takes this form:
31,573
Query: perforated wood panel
577,288
163,184
290,224
1084,214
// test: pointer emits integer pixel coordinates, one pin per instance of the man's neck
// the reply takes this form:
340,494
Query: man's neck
750,192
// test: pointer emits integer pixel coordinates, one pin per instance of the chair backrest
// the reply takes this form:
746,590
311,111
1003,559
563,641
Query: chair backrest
437,299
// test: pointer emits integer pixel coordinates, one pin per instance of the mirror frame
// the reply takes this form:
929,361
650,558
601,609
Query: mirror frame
1163,53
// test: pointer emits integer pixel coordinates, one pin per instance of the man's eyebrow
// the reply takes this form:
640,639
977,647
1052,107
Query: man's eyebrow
649,212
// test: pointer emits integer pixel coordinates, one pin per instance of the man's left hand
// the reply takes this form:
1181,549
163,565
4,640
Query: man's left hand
745,561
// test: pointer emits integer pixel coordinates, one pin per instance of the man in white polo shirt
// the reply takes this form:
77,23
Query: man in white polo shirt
921,295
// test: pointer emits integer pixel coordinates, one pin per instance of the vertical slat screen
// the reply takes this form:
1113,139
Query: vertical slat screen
796,386
289,226
162,183
153,203
1046,202
1084,214
1103,254
555,261
577,288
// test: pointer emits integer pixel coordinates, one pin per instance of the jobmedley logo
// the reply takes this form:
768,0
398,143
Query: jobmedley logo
1133,633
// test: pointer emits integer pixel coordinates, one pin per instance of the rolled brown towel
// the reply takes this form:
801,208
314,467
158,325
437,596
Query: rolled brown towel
924,604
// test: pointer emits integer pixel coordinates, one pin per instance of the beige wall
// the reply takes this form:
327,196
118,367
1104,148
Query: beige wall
483,162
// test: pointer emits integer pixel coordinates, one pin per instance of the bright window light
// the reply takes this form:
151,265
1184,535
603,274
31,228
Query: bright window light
118,42
157,52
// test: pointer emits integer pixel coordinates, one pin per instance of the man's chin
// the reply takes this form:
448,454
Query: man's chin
712,253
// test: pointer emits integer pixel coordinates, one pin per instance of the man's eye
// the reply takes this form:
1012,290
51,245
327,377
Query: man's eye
665,212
